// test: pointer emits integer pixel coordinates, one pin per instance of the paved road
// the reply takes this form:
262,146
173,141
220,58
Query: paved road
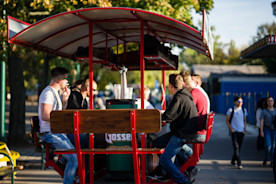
214,165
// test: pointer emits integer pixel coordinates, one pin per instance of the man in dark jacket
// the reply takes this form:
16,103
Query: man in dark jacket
182,116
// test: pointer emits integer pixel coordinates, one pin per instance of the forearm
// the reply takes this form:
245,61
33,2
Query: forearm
228,123
45,111
64,105
45,117
261,126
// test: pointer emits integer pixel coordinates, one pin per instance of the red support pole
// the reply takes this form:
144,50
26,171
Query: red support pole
91,136
142,70
142,62
203,24
78,148
164,92
91,65
134,148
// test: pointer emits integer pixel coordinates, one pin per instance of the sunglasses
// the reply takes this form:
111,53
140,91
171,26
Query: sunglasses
67,78
240,101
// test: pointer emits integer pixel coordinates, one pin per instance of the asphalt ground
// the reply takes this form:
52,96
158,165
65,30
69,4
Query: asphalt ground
215,167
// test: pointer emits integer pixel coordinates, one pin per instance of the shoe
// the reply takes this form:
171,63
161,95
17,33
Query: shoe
165,178
76,179
193,173
156,174
264,162
240,167
233,163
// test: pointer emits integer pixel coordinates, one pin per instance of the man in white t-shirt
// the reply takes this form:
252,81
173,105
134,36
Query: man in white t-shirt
50,100
236,122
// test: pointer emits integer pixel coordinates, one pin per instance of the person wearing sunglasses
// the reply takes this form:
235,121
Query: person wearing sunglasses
236,122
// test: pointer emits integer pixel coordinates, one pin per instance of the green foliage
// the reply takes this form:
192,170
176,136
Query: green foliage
265,29
262,31
34,10
178,9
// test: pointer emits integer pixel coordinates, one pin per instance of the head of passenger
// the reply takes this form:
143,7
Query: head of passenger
175,83
197,78
60,75
188,82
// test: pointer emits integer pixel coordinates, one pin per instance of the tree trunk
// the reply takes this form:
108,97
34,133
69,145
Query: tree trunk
16,134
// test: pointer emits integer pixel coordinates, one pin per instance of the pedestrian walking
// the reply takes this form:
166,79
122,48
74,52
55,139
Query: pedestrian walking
261,105
268,129
236,122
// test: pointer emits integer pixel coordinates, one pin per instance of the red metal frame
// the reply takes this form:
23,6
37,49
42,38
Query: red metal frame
164,92
17,20
91,98
78,148
134,147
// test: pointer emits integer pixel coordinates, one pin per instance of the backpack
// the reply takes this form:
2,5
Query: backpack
232,114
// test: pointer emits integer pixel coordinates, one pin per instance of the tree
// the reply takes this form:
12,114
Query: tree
262,31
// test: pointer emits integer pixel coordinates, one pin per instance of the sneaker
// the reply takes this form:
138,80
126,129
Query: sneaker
193,173
165,178
76,179
264,162
240,167
156,174
233,163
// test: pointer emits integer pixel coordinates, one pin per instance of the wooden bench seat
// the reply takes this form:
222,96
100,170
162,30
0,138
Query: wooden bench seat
107,121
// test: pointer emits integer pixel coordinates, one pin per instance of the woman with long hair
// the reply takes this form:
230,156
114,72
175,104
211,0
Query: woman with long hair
268,129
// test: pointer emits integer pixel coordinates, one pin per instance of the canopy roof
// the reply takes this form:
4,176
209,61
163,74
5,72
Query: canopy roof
62,34
264,48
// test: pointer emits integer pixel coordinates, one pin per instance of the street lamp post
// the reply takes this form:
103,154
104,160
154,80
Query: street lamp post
3,87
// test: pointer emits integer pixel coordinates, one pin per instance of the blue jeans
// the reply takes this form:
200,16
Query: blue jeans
186,151
237,140
61,141
84,140
270,139
173,148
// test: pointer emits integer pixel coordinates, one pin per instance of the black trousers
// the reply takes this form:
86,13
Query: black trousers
237,139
